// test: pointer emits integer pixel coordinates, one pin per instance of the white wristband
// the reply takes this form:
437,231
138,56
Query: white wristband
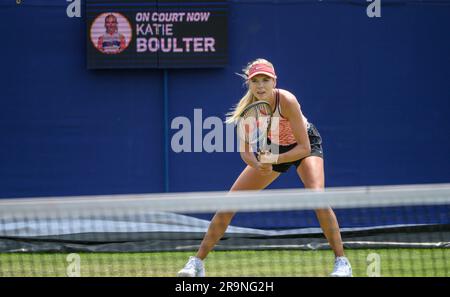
268,158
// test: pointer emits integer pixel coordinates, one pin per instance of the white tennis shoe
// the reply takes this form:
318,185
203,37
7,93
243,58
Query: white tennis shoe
193,268
342,268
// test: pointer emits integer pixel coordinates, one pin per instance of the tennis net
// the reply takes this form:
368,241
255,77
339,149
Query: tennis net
386,231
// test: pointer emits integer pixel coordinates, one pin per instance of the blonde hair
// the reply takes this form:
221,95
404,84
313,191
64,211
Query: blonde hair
248,98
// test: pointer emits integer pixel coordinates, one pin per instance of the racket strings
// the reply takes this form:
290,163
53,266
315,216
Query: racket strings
255,122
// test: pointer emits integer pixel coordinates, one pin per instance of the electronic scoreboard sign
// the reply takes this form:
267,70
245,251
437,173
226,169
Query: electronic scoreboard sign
156,34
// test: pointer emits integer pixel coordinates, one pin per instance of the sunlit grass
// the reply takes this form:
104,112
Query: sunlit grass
393,262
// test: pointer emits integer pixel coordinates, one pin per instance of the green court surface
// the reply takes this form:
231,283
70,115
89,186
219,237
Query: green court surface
382,262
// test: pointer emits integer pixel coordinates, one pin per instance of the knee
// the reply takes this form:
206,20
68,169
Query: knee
314,185
313,182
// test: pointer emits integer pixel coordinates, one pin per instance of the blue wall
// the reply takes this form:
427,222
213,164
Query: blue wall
377,89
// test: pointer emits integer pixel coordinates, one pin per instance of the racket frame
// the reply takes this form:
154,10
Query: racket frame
261,141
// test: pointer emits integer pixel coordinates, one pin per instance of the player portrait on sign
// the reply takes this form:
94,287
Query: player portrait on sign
111,33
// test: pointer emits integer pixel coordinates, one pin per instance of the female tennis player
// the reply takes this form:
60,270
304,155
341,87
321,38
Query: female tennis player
299,145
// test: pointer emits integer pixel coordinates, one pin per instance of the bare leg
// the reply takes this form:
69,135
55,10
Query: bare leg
311,172
250,179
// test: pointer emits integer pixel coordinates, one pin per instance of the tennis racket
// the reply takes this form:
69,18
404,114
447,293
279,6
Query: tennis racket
254,125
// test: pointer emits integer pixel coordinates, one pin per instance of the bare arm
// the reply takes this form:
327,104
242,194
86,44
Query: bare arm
293,113
247,154
122,42
250,159
100,43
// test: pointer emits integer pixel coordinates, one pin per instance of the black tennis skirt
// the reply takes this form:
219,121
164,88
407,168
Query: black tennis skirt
316,149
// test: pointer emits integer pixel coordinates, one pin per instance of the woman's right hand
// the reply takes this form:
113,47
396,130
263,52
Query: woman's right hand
264,168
